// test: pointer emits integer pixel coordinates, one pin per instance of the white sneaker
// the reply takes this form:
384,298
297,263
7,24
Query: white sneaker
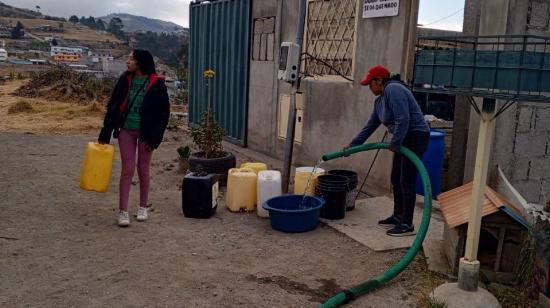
142,214
123,219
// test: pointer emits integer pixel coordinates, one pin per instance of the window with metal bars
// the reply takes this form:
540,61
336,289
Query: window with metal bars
330,37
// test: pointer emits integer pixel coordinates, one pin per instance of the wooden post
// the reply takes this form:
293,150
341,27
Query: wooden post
485,140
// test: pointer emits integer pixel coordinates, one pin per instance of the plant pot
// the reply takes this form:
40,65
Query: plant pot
183,165
218,165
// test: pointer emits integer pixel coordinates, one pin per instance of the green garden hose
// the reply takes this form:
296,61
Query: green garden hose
376,282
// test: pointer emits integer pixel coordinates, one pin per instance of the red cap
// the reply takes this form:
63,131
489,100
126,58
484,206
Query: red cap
375,72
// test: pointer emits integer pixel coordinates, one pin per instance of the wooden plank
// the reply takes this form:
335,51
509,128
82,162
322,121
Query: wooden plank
485,140
501,234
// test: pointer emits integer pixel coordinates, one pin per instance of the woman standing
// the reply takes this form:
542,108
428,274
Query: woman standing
396,108
137,114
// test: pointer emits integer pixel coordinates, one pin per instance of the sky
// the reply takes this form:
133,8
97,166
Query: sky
177,11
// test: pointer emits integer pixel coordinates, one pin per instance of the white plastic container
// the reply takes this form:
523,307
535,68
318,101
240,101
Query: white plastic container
269,186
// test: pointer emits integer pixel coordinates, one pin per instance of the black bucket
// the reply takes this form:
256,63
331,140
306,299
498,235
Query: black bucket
352,186
333,189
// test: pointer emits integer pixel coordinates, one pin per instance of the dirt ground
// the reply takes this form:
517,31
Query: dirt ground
60,246
46,116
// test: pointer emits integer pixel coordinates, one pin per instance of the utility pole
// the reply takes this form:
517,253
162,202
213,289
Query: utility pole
289,144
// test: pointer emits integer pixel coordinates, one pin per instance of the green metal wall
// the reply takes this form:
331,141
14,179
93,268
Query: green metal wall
220,40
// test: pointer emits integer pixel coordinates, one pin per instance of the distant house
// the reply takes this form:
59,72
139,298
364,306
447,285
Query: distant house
3,55
45,28
113,67
38,61
66,54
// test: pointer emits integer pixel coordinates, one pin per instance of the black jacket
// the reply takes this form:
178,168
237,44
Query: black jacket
155,111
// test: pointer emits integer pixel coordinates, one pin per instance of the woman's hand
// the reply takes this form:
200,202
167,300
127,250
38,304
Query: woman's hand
345,147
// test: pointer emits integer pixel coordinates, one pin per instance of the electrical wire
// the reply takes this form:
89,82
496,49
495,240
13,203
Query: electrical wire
441,19
328,65
370,169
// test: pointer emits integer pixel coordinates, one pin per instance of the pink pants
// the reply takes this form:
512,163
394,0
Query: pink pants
128,141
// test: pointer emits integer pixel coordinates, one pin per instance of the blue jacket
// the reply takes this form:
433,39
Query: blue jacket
397,109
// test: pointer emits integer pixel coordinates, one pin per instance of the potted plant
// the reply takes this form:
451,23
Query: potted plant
208,136
184,151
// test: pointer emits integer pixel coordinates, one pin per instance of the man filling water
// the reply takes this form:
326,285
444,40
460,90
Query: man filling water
396,108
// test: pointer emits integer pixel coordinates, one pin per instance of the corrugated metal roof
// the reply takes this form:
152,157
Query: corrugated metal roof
455,204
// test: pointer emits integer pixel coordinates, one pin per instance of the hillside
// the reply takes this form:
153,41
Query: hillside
134,23
10,11
75,32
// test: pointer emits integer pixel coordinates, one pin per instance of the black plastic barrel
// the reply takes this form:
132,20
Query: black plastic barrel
352,186
199,195
333,189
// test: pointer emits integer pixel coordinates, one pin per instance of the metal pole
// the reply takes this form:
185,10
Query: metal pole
289,144
468,274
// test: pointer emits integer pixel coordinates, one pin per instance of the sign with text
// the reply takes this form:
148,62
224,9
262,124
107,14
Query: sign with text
380,8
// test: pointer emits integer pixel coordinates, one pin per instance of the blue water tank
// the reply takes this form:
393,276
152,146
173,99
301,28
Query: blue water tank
433,160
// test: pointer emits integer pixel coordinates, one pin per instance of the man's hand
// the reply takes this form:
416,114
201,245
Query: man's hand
394,148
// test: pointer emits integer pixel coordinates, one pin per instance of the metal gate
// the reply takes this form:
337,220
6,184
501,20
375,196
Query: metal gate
220,40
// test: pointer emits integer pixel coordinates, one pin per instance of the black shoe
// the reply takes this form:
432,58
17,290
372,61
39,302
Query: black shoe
401,230
389,222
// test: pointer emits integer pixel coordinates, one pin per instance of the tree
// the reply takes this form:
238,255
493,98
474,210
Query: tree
116,24
90,22
73,19
100,24
83,20
115,27
17,31
38,8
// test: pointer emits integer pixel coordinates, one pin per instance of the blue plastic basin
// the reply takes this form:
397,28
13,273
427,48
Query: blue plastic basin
287,216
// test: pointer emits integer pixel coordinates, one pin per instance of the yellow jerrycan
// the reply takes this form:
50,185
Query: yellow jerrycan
257,167
97,167
241,190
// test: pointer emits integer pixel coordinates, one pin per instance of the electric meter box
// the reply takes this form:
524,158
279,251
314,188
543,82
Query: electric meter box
289,62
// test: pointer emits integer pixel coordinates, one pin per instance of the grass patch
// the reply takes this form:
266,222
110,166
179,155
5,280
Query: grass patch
94,109
21,106
425,281
428,302
511,296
